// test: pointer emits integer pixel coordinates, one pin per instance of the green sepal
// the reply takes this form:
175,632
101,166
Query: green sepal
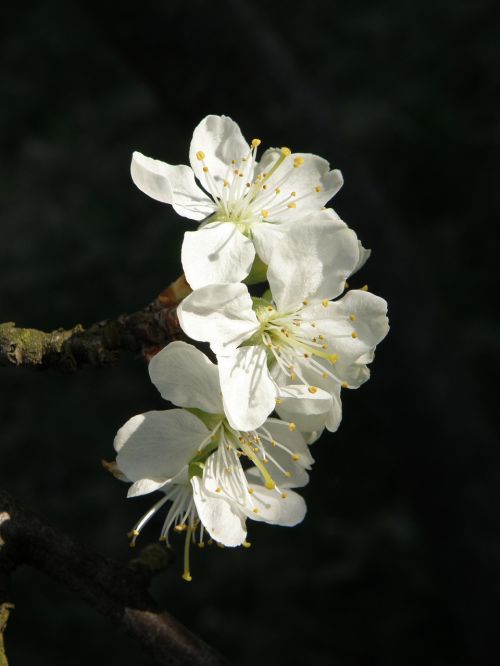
258,273
210,420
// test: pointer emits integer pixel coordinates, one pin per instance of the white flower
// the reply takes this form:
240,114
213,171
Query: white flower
187,378
308,341
193,457
242,200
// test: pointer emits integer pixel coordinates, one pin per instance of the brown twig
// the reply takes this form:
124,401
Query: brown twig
100,344
117,590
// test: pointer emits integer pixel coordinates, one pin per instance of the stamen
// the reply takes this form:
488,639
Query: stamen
298,161
187,543
200,155
312,389
255,143
246,544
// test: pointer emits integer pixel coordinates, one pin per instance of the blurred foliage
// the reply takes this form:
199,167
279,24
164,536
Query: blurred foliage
396,562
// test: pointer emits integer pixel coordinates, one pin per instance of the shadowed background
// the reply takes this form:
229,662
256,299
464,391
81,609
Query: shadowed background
397,560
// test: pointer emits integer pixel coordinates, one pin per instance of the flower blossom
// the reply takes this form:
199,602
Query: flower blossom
298,339
241,202
194,457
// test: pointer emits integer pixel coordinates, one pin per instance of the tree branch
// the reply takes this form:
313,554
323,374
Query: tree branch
100,344
117,590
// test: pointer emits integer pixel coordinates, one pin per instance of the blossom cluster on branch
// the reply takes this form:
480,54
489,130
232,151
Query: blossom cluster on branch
238,444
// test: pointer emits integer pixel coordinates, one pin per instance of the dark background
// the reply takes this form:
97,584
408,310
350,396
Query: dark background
397,561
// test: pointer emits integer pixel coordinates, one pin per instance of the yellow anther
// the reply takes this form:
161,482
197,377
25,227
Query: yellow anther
292,427
305,302
344,385
187,577
286,151
321,337
264,187
346,284
325,302
255,143
317,188
251,491
233,161
201,544
210,542
218,489
364,287
273,443
240,174
205,169
226,184
220,545
293,375
293,194
324,375
246,544
292,205
284,495
277,190
255,510
352,317
200,155
333,358
295,457
270,308
298,161
264,213
306,355
270,485
180,528
163,538
248,184
279,401
354,335
312,389
287,474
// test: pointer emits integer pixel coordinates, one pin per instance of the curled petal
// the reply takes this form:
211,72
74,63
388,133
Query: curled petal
248,391
186,377
170,184
312,261
220,314
217,140
217,252
221,518
158,445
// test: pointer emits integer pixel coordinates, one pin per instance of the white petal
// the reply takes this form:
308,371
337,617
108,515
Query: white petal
312,182
171,184
218,252
186,377
222,519
354,326
364,255
272,507
265,238
220,314
158,445
144,486
221,141
247,389
312,261
308,411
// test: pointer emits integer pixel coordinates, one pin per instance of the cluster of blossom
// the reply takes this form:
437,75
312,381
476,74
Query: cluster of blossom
239,442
